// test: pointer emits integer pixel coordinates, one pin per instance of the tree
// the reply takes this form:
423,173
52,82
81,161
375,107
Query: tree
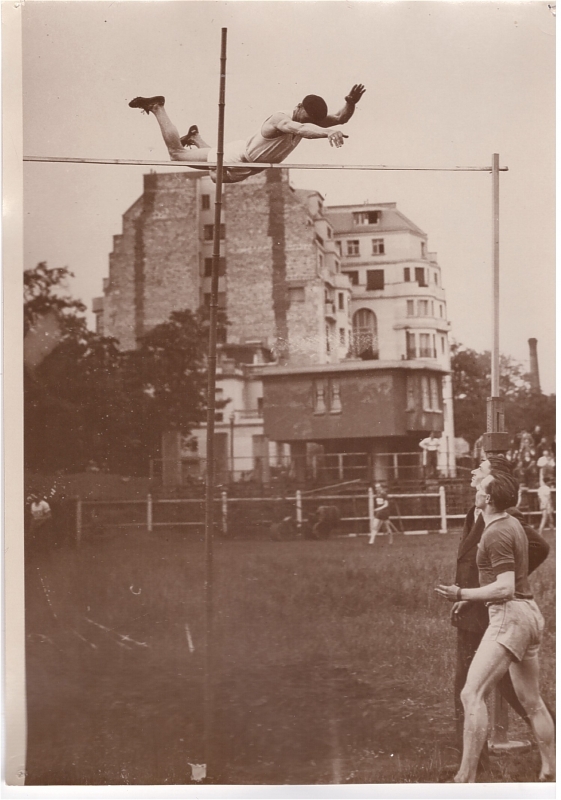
88,401
471,383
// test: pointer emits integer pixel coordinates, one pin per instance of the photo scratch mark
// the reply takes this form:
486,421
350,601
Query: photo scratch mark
189,639
123,636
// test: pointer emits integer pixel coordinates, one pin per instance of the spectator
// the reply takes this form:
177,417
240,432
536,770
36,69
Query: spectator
40,513
546,506
526,441
546,467
381,511
430,447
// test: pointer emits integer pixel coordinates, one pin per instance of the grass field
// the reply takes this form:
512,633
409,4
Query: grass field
334,661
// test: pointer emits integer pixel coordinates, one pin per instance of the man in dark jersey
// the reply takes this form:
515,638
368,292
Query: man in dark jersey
472,619
512,637
276,139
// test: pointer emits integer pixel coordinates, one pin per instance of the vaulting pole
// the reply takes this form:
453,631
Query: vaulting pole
211,392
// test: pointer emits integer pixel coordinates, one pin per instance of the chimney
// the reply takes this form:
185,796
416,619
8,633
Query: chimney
534,369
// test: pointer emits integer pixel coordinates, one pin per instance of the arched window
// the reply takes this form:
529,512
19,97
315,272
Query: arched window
365,334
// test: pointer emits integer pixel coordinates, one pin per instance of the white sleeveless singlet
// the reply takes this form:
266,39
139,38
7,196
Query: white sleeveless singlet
261,149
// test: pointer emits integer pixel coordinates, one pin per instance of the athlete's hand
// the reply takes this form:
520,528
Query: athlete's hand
335,138
448,592
456,608
355,94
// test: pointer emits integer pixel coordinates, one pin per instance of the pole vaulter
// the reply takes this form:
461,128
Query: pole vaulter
309,119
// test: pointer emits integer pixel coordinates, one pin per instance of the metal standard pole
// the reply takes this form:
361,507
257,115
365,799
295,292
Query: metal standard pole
211,391
496,440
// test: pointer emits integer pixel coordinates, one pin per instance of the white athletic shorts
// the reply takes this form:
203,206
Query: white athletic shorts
234,153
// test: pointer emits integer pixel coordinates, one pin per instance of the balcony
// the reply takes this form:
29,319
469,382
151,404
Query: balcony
330,309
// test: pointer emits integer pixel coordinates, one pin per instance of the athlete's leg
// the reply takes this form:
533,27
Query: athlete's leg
488,666
525,678
375,528
172,139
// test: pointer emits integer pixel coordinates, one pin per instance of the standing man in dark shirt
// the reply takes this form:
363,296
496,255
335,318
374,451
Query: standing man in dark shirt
472,619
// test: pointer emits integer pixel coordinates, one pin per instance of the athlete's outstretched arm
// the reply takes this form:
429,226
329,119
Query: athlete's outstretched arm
345,113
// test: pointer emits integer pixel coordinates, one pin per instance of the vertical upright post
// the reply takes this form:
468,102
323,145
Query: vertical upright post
371,509
495,350
443,515
211,391
149,513
299,509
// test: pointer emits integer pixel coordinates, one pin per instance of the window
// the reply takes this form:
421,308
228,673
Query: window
342,337
420,276
327,339
443,345
436,278
339,248
423,308
432,308
320,261
410,345
221,267
425,392
296,294
337,265
319,397
341,301
319,239
423,249
434,394
407,274
205,201
365,334
374,279
410,392
441,308
378,247
209,232
329,233
353,277
425,350
410,308
366,217
353,247
334,397
260,406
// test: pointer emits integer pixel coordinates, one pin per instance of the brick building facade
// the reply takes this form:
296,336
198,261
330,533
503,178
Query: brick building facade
345,303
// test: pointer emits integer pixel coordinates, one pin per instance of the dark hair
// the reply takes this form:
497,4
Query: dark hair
503,490
315,107
500,463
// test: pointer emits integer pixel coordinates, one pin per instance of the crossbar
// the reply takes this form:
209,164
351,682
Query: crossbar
212,165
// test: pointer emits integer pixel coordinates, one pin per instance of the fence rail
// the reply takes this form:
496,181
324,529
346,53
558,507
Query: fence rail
252,517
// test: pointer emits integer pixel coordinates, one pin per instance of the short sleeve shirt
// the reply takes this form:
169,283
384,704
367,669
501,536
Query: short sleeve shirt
504,548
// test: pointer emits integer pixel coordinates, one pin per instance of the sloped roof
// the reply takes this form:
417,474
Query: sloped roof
392,219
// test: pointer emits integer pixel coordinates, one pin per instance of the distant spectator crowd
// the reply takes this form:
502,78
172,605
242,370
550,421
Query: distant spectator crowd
532,456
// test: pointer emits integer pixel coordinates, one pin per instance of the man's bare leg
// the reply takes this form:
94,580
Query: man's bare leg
525,679
489,664
173,141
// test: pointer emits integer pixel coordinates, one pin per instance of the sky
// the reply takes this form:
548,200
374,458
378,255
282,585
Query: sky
447,84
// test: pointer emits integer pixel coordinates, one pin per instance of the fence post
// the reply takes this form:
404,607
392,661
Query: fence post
149,513
443,520
224,513
340,466
371,509
298,508
78,521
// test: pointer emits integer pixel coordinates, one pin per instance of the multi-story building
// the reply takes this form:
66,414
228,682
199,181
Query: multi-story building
341,310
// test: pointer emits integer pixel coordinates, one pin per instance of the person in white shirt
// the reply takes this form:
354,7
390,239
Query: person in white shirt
276,139
40,513
546,466
546,505
430,447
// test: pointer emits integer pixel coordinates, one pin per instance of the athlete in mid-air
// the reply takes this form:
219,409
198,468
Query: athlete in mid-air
276,139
